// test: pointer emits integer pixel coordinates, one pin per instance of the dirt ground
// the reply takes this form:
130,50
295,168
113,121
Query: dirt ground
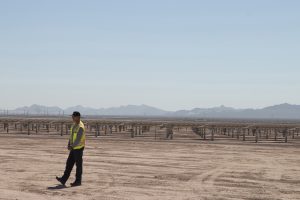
147,169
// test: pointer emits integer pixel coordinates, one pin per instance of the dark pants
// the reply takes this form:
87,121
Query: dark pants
75,156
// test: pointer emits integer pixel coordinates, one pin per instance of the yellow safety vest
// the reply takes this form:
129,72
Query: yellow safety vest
73,136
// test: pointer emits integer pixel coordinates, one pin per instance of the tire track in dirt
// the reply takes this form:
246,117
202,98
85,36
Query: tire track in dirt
276,174
205,182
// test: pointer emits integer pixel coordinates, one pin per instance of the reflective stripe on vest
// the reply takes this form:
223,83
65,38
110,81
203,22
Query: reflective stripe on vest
73,136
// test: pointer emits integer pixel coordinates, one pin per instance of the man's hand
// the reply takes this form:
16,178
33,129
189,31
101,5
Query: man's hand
69,146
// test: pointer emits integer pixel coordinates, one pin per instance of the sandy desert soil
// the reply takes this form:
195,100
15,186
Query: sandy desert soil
145,169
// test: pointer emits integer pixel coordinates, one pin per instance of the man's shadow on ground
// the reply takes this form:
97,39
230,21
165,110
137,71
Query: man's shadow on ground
57,187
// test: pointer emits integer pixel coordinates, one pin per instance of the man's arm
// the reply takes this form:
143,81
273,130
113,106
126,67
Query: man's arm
78,138
69,145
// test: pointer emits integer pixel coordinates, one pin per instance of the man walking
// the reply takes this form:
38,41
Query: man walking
76,146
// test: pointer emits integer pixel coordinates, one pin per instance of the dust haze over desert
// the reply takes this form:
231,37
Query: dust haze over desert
193,100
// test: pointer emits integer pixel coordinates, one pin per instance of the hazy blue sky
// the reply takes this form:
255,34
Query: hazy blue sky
169,54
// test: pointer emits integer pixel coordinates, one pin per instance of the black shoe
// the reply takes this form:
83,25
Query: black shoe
60,180
75,184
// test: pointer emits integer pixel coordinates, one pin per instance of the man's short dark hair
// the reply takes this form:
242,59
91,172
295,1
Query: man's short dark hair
76,114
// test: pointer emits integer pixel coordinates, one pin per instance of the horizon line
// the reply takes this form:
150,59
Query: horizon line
84,106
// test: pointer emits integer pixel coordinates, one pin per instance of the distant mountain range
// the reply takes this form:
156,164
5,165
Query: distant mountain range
129,110
281,111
